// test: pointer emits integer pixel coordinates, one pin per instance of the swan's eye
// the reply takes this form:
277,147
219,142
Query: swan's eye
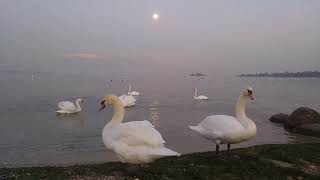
103,102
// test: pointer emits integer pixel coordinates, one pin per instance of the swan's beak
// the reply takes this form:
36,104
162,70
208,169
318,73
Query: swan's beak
250,94
103,105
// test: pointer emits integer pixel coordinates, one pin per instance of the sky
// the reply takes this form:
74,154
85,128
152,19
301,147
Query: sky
215,36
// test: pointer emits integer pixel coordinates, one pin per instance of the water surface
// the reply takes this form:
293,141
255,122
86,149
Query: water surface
32,134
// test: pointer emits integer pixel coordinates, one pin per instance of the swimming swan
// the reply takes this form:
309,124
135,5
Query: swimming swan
133,93
133,142
223,129
200,97
67,107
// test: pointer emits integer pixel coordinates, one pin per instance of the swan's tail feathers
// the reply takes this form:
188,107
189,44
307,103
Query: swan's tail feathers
60,111
168,152
196,128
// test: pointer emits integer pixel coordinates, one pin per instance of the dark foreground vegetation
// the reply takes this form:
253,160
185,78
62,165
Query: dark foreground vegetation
287,161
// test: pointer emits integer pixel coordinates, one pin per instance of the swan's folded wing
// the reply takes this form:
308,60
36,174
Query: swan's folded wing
67,105
221,123
138,133
122,97
127,100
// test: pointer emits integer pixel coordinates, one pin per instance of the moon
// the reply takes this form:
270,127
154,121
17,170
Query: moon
155,16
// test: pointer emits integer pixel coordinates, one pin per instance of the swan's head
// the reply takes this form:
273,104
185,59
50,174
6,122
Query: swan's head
248,93
108,100
79,100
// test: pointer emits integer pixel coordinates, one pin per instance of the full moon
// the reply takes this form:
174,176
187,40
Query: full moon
155,16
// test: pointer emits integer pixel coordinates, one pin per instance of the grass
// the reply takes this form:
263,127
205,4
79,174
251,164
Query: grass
287,161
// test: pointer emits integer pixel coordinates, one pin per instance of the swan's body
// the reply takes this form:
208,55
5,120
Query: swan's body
223,129
127,100
67,107
133,142
200,97
133,93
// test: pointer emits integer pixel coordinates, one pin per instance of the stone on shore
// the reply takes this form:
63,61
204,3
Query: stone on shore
301,116
303,120
280,118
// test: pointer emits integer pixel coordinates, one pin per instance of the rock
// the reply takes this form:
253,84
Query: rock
279,118
308,129
303,120
301,116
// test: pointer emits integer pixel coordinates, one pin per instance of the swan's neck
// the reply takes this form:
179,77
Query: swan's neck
129,90
78,105
241,108
195,92
241,112
118,114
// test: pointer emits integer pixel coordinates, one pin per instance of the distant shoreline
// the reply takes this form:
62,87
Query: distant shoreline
304,74
197,74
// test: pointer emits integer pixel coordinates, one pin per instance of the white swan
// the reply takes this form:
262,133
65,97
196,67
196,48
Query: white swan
135,141
200,97
67,107
133,93
127,100
223,129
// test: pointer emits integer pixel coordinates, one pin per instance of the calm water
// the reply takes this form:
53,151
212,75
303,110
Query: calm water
32,134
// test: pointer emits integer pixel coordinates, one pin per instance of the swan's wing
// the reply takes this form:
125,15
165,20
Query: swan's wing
203,97
221,124
123,100
67,106
134,93
127,100
132,100
137,133
122,96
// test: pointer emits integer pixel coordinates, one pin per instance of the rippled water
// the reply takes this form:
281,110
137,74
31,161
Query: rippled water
31,133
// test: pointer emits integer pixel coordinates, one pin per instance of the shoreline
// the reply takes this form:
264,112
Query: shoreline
277,161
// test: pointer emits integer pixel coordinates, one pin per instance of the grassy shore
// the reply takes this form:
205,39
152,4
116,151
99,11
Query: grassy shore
286,161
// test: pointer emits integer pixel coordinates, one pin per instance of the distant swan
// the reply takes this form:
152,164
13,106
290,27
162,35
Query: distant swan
223,129
127,100
133,142
133,93
67,107
200,97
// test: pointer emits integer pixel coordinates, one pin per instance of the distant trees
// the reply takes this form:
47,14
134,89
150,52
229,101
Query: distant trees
284,74
197,74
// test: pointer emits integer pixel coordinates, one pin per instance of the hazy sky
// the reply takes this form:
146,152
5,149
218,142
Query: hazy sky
230,36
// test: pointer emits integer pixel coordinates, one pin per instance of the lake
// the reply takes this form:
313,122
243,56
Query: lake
32,134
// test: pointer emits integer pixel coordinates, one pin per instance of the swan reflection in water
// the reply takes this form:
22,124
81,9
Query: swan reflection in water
154,113
71,120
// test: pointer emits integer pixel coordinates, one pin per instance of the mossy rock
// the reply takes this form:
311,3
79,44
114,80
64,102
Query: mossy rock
301,116
279,118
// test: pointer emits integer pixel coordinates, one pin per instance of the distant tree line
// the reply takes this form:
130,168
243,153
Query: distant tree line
197,74
284,74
